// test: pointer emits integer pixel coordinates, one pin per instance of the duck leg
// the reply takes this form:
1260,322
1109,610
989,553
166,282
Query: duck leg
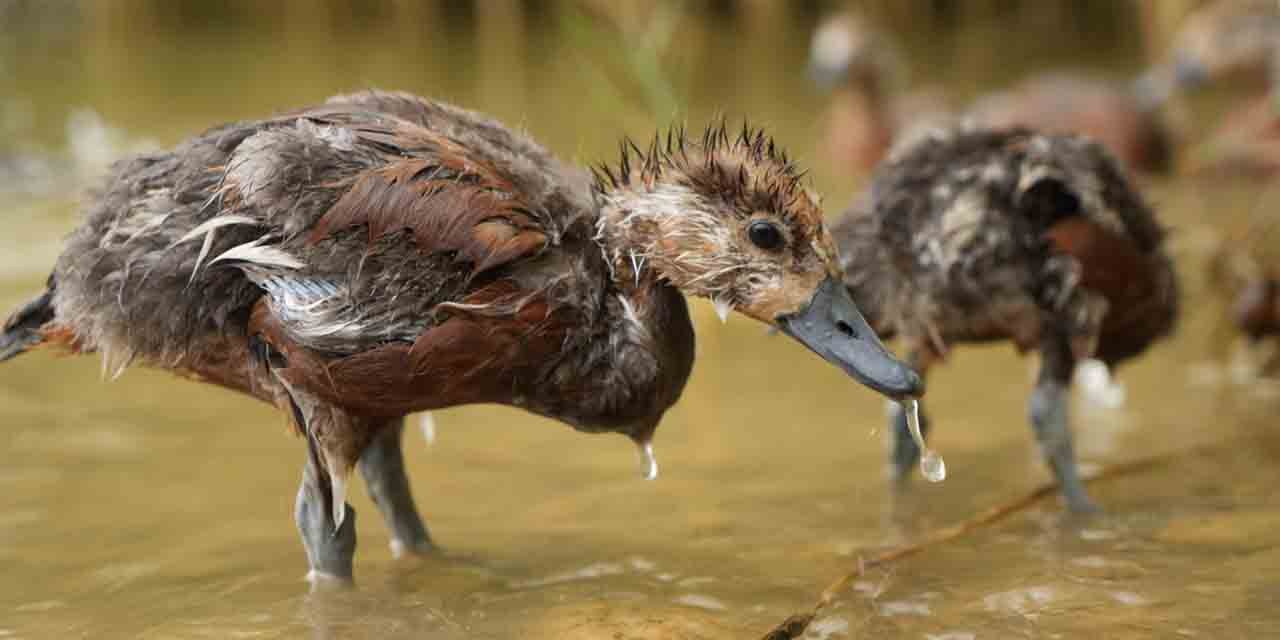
328,533
330,547
903,452
1049,420
382,465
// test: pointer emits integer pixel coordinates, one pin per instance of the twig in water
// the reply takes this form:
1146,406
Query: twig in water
795,626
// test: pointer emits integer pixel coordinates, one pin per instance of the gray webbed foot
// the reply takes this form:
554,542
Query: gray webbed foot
382,466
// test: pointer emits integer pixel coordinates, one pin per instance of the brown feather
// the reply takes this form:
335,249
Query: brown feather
1131,281
482,225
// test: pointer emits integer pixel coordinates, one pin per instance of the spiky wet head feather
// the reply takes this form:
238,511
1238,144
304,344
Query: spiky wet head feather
749,169
682,207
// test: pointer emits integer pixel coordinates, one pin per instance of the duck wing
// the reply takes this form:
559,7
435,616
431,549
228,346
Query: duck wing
400,262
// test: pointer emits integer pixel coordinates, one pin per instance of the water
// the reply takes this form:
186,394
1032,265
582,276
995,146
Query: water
152,507
932,466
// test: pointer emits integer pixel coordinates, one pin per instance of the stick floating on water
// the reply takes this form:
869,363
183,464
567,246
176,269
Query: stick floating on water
795,626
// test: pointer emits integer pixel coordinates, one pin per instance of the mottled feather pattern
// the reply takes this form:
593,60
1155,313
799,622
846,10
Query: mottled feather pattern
277,178
955,242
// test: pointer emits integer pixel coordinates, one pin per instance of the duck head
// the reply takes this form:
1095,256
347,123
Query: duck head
848,49
729,219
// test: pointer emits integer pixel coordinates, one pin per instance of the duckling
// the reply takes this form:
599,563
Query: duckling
866,116
1234,43
1227,41
974,234
864,69
381,254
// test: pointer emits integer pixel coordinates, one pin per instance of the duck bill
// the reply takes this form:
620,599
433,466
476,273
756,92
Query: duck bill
832,327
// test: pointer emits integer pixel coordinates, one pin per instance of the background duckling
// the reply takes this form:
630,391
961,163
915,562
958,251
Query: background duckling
869,108
1244,272
975,235
1232,46
1222,42
862,66
382,254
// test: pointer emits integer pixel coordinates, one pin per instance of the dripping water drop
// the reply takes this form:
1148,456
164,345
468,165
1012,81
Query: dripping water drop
648,463
932,465
427,423
723,307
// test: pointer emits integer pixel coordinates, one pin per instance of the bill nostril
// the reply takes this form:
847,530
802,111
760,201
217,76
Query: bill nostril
844,328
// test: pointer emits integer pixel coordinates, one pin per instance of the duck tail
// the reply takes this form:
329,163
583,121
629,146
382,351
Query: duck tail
24,329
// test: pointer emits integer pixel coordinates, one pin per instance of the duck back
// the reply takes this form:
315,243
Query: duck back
395,205
974,234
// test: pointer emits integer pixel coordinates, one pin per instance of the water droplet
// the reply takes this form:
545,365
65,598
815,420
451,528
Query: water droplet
932,465
427,423
648,463
723,307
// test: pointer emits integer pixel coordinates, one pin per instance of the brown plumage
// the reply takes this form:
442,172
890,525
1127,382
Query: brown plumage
869,108
867,114
973,235
382,254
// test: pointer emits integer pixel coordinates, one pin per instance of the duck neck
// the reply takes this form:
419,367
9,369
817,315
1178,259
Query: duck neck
651,343
630,230
861,118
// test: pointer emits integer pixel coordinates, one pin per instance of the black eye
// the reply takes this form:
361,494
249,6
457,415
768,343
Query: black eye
765,235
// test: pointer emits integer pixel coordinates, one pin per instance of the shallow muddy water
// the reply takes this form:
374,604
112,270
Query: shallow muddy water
152,507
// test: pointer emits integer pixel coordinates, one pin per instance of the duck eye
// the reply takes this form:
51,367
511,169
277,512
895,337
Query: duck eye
765,235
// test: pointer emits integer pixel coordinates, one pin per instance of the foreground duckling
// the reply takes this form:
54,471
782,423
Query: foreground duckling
860,63
382,254
977,235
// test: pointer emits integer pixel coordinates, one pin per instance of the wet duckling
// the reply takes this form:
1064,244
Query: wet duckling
866,116
977,235
382,254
